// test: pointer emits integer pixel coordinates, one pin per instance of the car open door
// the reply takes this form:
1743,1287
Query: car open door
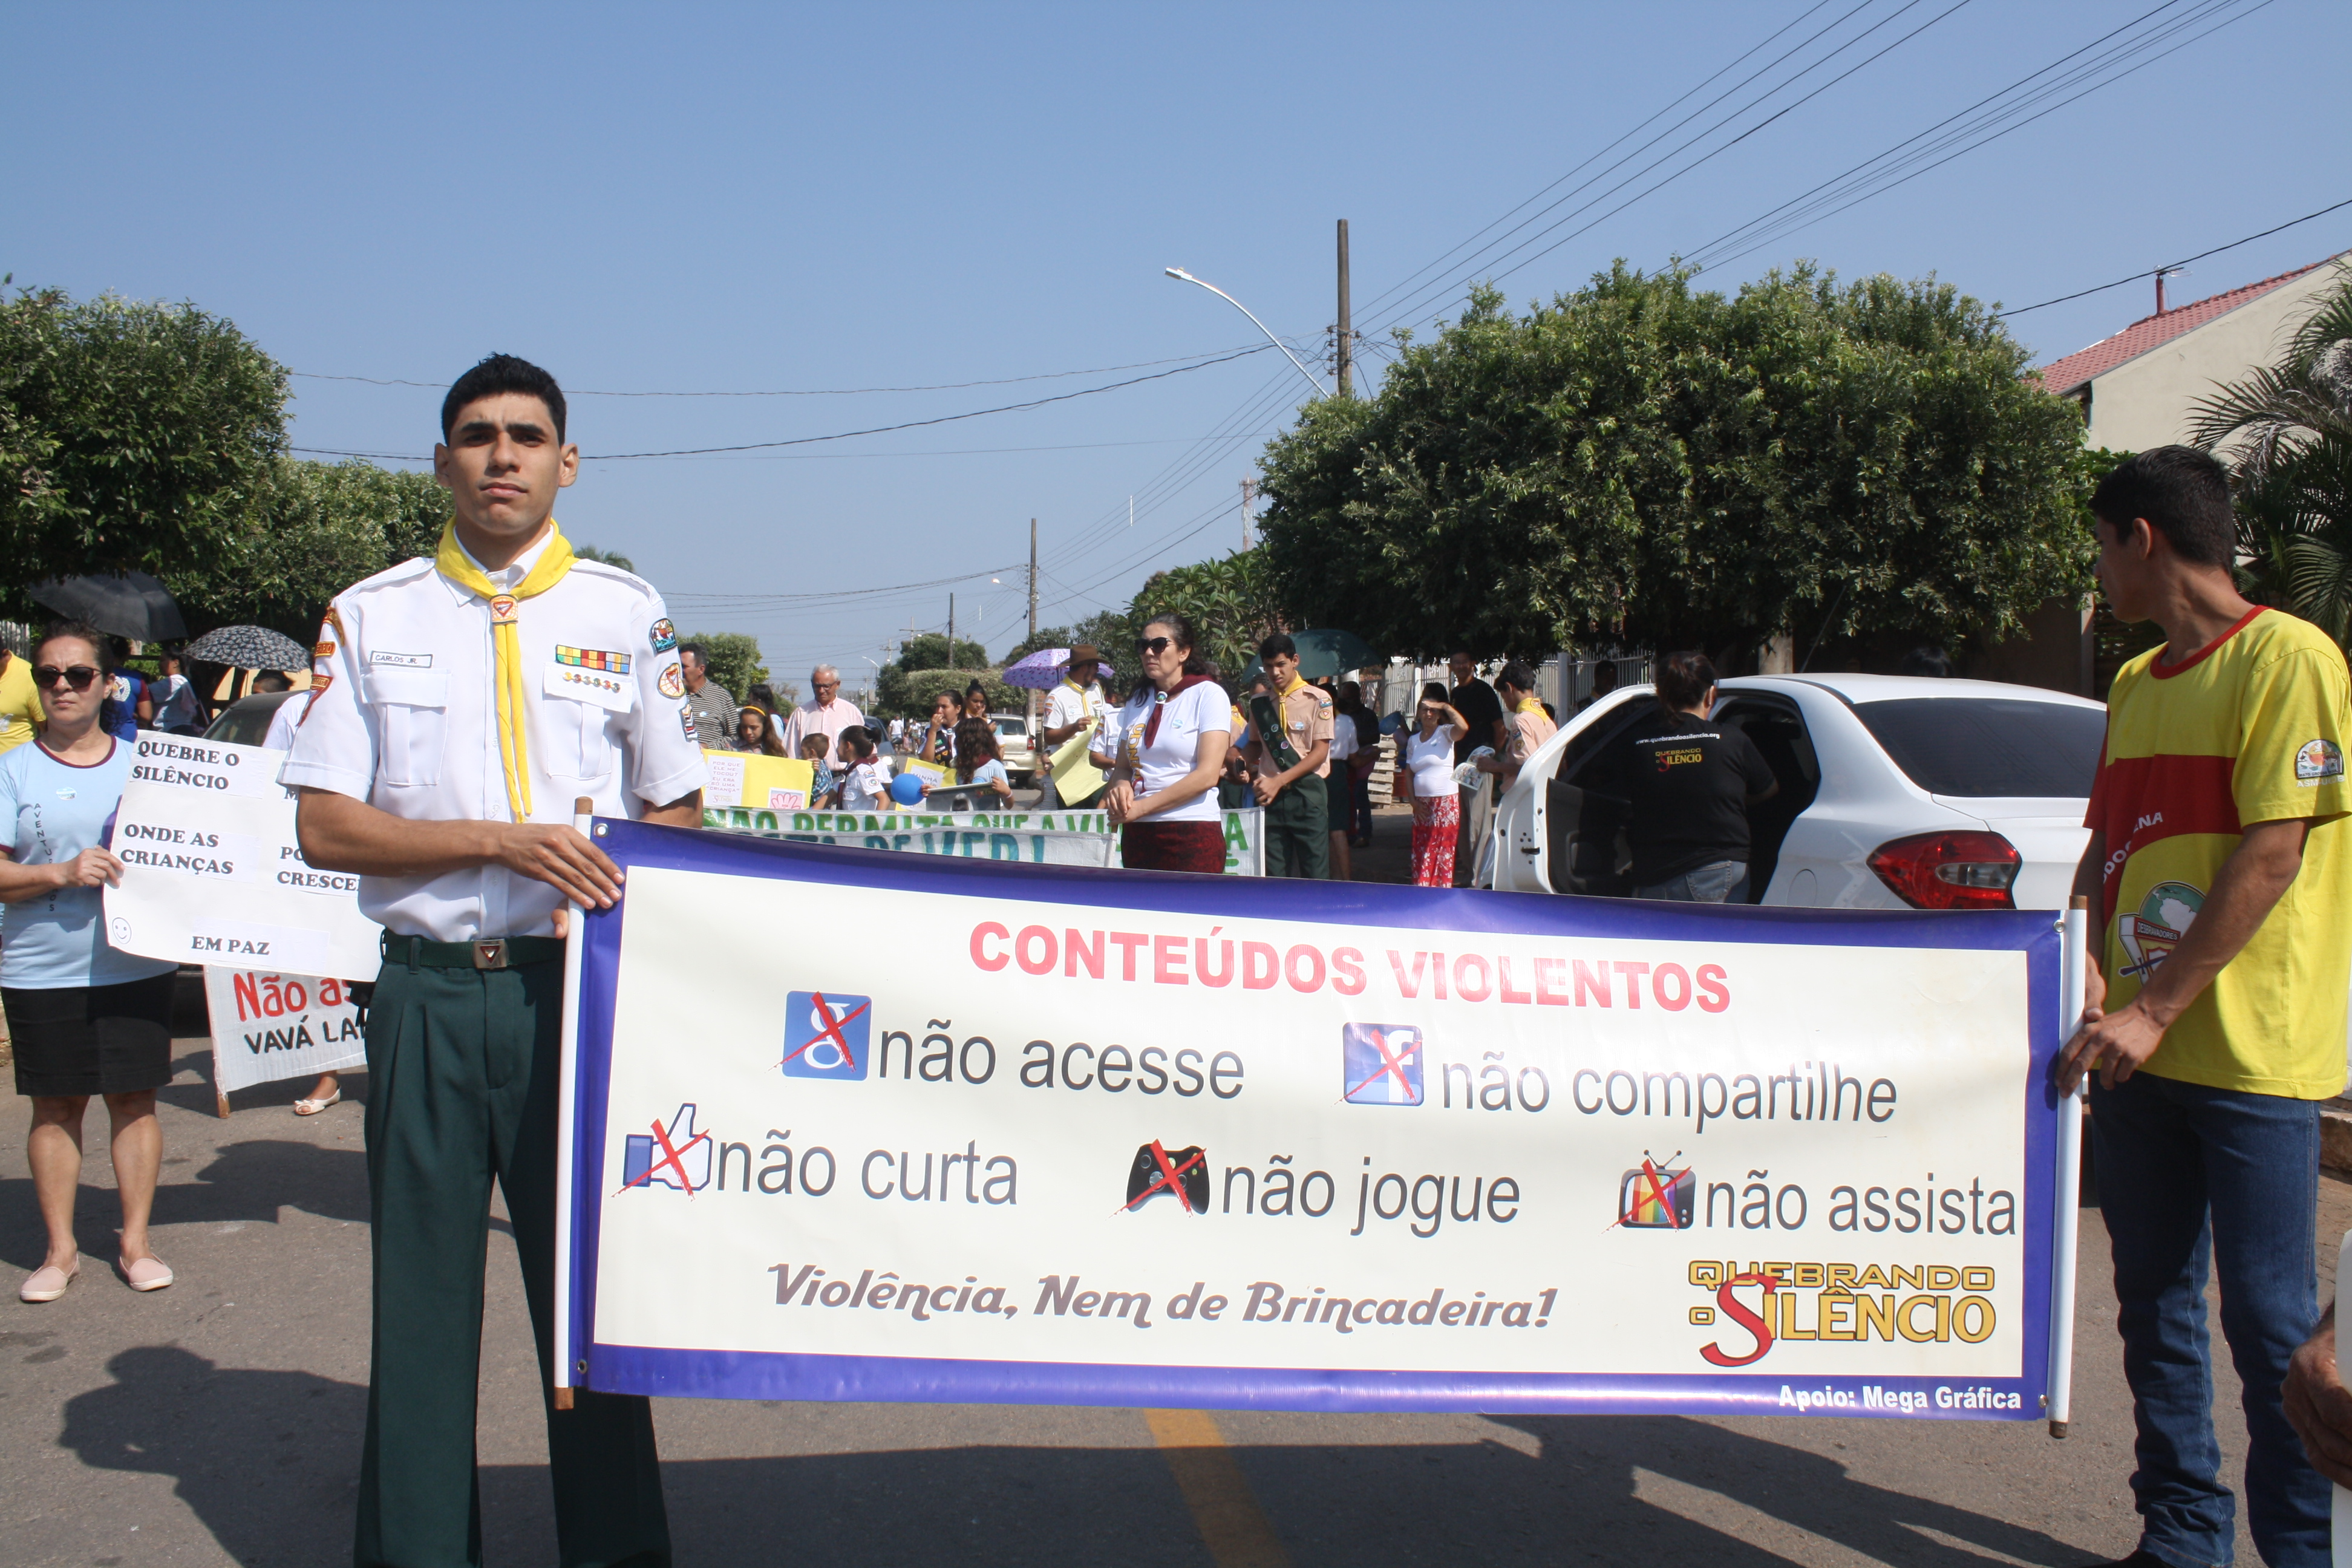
1551,835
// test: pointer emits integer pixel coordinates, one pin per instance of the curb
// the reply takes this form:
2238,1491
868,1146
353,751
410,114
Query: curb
2335,1134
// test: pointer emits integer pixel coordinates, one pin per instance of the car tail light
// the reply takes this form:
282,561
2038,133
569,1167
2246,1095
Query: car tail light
1964,870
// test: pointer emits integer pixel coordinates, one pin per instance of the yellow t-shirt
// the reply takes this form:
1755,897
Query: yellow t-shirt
20,704
2250,729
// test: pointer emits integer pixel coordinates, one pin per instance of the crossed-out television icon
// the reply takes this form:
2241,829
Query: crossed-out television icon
826,1034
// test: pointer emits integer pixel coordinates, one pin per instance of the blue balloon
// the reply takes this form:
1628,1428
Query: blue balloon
905,789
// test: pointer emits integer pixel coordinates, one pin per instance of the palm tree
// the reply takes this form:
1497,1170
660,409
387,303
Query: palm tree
2286,434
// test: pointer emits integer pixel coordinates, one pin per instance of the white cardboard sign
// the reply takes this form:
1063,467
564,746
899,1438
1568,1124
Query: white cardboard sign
268,1027
212,874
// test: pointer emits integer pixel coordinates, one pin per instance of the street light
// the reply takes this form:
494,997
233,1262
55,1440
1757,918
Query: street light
1178,273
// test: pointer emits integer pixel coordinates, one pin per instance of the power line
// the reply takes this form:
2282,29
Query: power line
807,392
1703,157
847,435
1372,305
1764,230
2086,293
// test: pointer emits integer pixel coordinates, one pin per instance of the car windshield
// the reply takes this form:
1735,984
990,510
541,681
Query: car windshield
1013,727
1990,746
245,721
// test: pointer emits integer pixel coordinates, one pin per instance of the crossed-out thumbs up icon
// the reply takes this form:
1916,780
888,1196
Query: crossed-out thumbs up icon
674,1156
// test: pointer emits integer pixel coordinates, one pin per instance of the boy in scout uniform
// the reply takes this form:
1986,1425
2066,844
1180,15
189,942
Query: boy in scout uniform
1290,749
457,708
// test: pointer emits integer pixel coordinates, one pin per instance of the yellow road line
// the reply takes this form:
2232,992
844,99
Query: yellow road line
1225,1511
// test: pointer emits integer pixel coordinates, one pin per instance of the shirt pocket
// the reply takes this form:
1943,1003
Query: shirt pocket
413,705
579,739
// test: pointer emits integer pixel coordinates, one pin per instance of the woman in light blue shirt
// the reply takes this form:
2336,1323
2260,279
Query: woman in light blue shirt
86,1019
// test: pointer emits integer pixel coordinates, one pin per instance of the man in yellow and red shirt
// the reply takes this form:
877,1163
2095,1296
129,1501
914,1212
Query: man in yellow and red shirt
2219,862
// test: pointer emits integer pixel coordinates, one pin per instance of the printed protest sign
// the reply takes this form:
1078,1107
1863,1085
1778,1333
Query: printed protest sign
901,830
756,780
268,1027
1032,1134
919,833
212,872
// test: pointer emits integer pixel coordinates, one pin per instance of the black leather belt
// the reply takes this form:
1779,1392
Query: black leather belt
484,953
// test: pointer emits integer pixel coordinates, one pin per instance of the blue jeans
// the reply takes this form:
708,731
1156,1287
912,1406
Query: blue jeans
1721,882
2188,1177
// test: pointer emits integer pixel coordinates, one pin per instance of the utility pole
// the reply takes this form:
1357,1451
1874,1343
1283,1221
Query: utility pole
1344,335
950,631
1249,493
1033,617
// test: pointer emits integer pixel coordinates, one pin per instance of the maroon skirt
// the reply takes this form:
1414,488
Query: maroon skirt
1152,846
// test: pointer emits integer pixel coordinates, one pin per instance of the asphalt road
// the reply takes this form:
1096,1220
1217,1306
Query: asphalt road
218,1422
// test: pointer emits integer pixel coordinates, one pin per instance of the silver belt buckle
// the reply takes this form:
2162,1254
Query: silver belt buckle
490,954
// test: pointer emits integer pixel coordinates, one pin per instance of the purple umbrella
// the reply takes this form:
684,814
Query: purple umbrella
1044,670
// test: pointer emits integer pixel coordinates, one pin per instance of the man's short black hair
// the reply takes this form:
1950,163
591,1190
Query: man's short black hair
498,373
2184,494
273,680
695,649
1516,676
1279,642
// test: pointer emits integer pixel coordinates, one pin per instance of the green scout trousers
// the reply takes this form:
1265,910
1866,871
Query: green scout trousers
461,1087
1297,831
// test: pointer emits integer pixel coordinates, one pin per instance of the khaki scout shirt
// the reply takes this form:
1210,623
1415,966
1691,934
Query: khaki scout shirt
1306,719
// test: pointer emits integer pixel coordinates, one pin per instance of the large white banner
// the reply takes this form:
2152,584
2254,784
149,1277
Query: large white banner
1030,1134
268,1027
212,873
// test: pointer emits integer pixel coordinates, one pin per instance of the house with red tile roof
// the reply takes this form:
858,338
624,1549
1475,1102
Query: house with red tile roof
2138,388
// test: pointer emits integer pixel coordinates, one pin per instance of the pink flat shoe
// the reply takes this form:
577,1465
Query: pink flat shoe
47,1282
147,1274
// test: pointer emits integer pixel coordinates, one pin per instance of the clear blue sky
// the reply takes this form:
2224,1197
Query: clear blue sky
758,199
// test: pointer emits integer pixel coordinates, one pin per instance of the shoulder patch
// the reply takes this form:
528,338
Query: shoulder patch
2318,762
672,682
664,634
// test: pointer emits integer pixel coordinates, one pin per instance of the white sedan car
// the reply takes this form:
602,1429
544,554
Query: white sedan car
1895,792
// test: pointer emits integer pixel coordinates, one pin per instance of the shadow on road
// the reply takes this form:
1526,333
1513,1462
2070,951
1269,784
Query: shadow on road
267,1461
250,1181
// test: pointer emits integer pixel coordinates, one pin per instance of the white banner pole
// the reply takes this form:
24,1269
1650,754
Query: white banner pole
2073,965
576,934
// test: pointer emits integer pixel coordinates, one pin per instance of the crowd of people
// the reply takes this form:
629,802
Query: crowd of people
2205,1071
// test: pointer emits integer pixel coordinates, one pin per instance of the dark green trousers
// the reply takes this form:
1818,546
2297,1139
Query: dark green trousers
1297,831
461,1088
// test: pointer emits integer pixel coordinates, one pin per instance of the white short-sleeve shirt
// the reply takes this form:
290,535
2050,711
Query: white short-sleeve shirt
1189,715
1066,704
403,714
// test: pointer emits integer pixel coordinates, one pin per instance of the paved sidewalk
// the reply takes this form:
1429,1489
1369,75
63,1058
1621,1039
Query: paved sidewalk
218,1422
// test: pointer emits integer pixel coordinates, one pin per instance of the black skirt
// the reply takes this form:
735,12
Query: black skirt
92,1040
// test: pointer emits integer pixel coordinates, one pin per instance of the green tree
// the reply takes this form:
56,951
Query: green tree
733,658
610,558
2285,432
1231,603
1643,461
929,650
133,435
322,527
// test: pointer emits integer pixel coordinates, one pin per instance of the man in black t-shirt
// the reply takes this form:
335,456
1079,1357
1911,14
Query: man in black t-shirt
1688,783
1482,711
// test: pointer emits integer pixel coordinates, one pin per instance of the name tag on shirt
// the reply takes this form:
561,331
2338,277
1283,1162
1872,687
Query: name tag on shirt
614,693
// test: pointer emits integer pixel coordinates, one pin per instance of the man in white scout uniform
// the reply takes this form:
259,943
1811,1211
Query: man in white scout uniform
1074,708
457,708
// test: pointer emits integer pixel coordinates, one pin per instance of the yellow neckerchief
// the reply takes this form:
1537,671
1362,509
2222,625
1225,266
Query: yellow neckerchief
1085,691
1296,681
1528,705
506,642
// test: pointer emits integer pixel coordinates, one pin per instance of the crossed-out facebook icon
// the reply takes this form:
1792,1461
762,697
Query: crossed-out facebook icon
1381,1064
825,1033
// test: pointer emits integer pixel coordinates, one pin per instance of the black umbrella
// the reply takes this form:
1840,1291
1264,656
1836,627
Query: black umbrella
132,605
248,647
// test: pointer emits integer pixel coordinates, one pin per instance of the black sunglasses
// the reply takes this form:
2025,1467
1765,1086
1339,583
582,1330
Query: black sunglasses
78,677
1154,645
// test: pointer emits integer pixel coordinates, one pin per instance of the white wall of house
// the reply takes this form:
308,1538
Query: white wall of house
2147,402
